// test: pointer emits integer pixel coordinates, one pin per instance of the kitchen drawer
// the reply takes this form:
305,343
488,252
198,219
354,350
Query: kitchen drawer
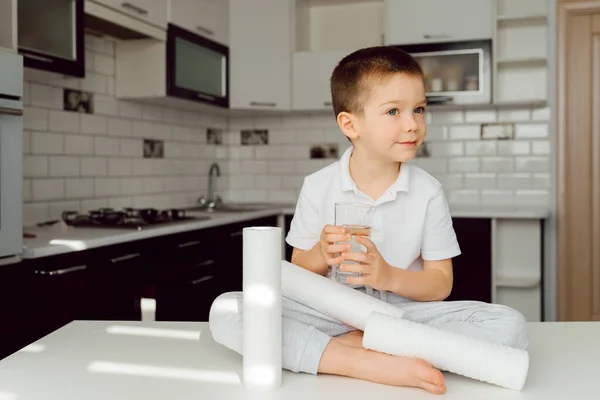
151,11
119,274
208,18
187,294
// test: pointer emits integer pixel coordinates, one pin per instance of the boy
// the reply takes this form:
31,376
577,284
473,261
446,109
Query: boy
379,102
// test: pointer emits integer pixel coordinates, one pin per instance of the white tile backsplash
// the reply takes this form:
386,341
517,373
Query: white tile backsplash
87,161
64,166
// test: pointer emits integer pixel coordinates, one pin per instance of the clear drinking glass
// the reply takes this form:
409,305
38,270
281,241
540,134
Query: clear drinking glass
357,219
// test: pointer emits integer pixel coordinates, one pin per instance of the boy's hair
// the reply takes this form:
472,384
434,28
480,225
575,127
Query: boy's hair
357,73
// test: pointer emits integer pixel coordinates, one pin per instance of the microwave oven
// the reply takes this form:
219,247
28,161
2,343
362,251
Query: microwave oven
197,68
455,72
11,154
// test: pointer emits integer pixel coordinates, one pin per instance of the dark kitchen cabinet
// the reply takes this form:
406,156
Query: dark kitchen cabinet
183,272
473,267
51,35
186,277
40,296
118,276
288,249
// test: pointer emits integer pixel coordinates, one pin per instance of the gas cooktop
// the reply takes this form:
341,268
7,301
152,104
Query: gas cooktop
130,218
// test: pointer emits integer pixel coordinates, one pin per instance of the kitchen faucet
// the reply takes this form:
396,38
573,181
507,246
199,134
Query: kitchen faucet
211,201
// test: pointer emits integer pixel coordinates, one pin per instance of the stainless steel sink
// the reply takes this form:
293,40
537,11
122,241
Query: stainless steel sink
231,208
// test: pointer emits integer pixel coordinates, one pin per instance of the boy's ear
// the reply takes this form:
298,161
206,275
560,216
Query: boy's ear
346,122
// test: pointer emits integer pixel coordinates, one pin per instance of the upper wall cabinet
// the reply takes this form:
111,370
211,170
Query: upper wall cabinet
312,71
8,24
50,35
128,19
153,12
429,21
325,32
260,45
208,18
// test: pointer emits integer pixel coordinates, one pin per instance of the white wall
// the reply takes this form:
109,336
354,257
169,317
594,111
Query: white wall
474,172
80,162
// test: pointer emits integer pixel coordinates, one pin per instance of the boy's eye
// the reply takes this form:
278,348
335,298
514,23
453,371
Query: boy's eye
420,110
393,111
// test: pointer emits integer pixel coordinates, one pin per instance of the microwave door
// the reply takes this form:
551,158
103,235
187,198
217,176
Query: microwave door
197,68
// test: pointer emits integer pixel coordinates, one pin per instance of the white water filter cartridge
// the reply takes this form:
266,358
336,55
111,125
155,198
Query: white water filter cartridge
262,358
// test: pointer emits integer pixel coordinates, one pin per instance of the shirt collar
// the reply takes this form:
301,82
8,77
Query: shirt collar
401,184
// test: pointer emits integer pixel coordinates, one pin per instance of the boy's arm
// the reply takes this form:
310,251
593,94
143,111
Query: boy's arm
310,259
434,283
439,245
304,234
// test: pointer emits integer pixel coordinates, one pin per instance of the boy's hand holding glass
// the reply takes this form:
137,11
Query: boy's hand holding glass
332,244
374,270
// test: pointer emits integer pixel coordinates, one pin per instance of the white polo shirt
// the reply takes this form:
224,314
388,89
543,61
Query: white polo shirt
411,220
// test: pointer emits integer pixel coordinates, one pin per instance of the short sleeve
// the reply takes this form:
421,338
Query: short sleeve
439,239
305,229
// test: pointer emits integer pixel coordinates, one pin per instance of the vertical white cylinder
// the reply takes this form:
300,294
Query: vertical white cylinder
262,358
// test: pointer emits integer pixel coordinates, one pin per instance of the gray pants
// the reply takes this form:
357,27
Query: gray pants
306,332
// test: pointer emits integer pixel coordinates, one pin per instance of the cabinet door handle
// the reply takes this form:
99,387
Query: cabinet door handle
62,271
135,8
123,258
206,263
440,36
200,280
39,58
189,244
10,111
204,96
263,103
205,30
235,234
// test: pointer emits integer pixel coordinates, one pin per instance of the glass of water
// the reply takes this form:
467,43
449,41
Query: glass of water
357,219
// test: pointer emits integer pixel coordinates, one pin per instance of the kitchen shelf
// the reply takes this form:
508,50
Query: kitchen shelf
532,18
497,105
525,61
518,282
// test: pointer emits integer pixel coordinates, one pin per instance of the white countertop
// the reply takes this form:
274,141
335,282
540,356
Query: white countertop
59,238
83,361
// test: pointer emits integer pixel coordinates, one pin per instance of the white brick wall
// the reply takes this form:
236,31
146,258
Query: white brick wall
474,172
81,162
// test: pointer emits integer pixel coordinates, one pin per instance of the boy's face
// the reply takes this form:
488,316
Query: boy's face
392,126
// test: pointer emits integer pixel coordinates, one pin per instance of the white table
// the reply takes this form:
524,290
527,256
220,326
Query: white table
97,360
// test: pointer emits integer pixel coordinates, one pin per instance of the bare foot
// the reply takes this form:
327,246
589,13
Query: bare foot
353,338
340,358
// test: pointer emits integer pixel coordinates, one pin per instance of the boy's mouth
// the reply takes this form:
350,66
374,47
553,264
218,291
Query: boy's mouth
409,144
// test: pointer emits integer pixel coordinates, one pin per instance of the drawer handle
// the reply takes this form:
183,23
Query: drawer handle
441,36
206,263
10,111
123,258
205,30
62,271
263,103
204,96
327,103
200,280
135,8
39,58
235,234
189,244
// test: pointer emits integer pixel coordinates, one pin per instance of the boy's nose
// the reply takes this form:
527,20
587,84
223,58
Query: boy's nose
410,124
